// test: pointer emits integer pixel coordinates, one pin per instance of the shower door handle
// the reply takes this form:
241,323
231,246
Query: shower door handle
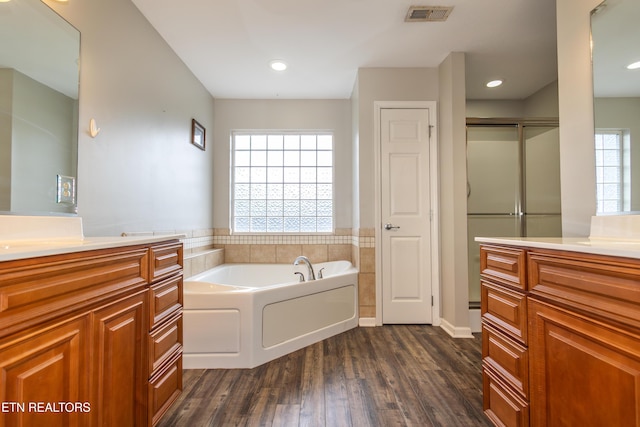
389,226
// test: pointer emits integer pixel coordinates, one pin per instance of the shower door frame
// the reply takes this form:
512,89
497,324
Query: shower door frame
520,205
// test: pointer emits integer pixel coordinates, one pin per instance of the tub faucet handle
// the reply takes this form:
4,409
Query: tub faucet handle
301,275
320,273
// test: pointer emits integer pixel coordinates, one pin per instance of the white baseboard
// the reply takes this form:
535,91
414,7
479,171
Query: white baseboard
456,331
474,320
367,321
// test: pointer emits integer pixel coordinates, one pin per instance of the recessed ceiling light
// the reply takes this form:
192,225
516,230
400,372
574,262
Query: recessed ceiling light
634,66
278,65
494,83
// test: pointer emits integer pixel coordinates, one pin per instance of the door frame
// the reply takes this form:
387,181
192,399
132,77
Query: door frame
434,174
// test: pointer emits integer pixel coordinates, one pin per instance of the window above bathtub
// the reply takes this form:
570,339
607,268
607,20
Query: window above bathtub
282,182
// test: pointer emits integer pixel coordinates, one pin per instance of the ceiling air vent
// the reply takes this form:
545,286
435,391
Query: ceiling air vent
428,13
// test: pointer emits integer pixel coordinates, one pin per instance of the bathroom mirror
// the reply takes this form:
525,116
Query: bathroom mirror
39,76
615,38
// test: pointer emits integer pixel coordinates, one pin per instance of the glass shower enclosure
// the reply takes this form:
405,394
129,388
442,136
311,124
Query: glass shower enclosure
513,184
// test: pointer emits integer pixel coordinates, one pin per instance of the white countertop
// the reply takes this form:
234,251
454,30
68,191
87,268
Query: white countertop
599,246
30,248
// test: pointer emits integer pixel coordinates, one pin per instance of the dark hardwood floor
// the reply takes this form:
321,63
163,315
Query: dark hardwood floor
394,375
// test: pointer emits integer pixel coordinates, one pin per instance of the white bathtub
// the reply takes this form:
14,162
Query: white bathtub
244,315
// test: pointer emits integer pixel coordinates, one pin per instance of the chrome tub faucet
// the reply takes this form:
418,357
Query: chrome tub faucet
304,260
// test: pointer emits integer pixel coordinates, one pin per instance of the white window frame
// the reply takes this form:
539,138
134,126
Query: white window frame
233,175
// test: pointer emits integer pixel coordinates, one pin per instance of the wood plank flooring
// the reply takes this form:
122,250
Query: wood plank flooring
394,375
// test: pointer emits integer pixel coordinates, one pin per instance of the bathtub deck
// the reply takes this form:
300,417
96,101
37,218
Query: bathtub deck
386,376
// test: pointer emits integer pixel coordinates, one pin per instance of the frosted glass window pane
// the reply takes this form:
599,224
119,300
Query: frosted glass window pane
307,174
325,191
258,142
307,158
610,142
241,224
275,191
291,191
258,158
307,207
274,174
258,208
325,142
325,175
292,208
258,224
610,170
275,183
292,142
292,225
243,158
291,175
258,174
611,191
274,207
307,142
308,224
275,142
611,174
611,158
275,158
242,175
275,225
259,191
325,224
325,158
291,158
242,208
610,206
242,142
307,191
242,191
324,208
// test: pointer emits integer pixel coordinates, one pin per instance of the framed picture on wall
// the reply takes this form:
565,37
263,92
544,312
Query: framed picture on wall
198,133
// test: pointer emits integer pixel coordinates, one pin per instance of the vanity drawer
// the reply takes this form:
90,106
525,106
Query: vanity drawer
505,265
600,286
505,310
165,298
164,342
37,289
501,405
507,357
164,388
166,260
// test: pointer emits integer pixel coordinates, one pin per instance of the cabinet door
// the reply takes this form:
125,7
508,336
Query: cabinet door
119,365
44,376
582,372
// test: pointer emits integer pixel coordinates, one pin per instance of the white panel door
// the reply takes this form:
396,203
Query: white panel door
406,210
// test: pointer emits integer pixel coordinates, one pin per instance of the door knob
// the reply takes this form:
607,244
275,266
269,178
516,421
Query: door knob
389,226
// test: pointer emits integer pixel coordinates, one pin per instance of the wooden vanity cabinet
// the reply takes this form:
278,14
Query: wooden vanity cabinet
505,370
578,362
76,334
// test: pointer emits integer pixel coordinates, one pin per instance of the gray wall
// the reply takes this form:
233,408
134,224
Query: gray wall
140,173
236,114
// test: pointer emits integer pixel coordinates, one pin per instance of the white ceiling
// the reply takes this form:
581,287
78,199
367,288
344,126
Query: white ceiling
228,44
